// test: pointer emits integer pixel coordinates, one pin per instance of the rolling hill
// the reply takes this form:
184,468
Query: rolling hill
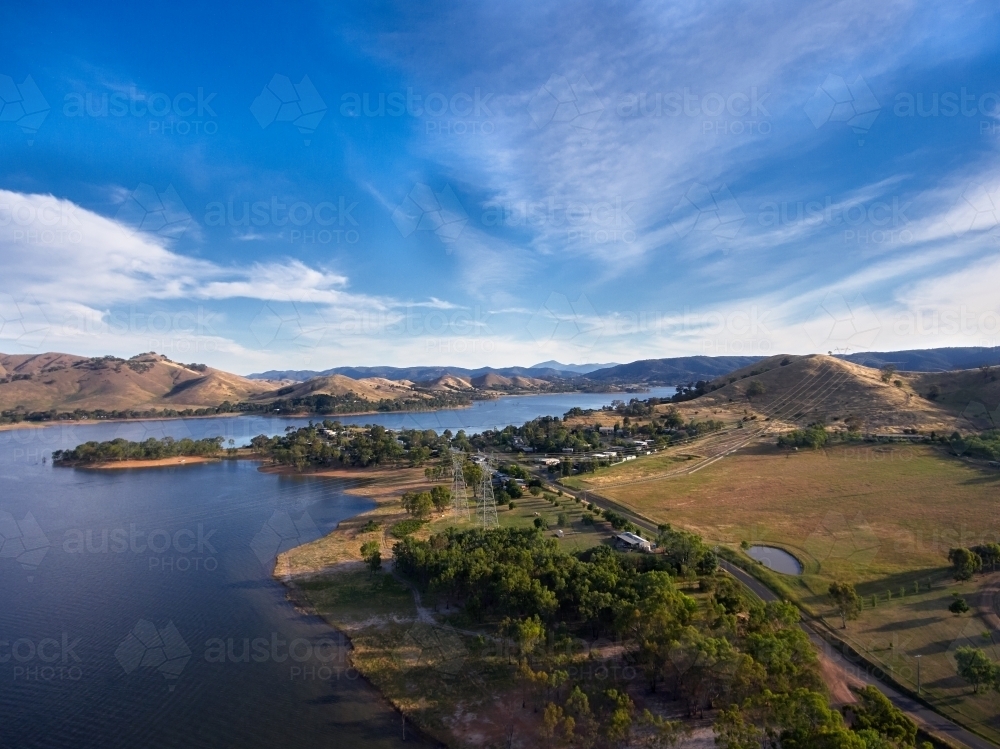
371,389
151,382
61,381
799,390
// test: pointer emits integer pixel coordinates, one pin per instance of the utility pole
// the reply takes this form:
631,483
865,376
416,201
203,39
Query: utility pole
918,674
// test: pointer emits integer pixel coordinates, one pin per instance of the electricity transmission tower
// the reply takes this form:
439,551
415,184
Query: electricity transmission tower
459,494
486,510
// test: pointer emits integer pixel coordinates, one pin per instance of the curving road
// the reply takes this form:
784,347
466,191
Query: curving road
923,715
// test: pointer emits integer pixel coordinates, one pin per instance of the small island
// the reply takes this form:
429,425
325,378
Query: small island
150,453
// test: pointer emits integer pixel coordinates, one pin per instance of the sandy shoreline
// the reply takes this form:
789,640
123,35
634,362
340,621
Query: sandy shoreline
180,460
342,546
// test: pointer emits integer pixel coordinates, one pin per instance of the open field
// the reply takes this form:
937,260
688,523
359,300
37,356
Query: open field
894,632
858,513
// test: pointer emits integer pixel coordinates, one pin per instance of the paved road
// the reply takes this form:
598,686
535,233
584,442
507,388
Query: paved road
931,720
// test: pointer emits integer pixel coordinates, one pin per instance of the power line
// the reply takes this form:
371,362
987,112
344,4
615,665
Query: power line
486,510
459,492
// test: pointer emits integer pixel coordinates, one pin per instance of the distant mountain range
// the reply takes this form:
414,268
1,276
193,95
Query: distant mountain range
675,371
928,360
578,368
415,374
678,370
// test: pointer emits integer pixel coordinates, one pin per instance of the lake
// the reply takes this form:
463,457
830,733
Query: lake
137,607
776,559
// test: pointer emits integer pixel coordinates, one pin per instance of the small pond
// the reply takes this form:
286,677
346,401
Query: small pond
776,559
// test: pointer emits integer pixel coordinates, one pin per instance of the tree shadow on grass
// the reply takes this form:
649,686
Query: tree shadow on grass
933,648
937,603
948,682
991,479
909,624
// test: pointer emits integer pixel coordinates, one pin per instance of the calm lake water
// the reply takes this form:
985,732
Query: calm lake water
137,608
776,559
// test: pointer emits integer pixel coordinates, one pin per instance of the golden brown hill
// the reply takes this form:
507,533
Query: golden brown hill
528,383
371,388
971,395
448,383
11,364
491,380
798,390
149,381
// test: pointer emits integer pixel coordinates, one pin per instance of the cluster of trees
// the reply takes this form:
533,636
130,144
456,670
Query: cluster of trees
548,434
349,403
731,652
551,434
422,504
635,407
151,449
814,436
692,390
330,444
313,404
518,573
985,445
802,719
685,553
18,415
967,562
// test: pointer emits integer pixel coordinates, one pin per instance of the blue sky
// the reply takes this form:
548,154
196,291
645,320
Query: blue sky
256,187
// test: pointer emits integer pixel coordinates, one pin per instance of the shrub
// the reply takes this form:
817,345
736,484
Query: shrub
958,606
814,436
371,526
404,528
